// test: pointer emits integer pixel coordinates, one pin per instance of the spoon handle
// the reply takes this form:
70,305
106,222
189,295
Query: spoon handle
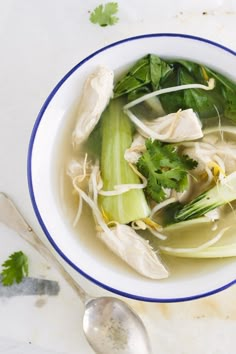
11,217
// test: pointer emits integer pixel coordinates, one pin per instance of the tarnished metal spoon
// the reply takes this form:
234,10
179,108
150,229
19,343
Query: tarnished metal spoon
109,324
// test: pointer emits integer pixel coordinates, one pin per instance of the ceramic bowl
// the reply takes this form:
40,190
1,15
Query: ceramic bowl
79,247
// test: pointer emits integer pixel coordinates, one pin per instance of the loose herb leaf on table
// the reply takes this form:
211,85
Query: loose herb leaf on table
164,168
15,268
104,15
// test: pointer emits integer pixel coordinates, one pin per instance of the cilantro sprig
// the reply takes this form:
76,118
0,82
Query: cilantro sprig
15,268
164,168
104,15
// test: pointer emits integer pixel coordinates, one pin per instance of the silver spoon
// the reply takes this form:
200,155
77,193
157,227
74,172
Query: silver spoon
109,324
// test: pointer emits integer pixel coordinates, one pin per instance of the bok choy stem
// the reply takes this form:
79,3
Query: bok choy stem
224,192
115,170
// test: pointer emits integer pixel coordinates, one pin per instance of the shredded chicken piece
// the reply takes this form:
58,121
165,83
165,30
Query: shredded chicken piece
227,153
80,170
220,156
136,149
96,93
134,250
79,167
174,127
122,239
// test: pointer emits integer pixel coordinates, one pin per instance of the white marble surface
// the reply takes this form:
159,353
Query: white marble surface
40,41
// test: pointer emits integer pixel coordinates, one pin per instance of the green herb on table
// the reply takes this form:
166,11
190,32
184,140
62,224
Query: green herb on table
104,15
15,268
164,168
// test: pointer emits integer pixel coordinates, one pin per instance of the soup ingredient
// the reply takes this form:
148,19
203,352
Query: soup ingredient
140,80
215,152
15,268
205,104
104,15
122,239
228,89
222,193
222,99
80,168
135,151
96,93
230,109
179,226
174,127
115,170
146,72
164,168
135,251
209,252
193,252
210,86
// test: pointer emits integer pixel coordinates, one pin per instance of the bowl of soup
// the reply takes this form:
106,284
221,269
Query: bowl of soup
132,167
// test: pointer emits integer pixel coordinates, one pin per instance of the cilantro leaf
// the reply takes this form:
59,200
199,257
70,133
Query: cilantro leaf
104,15
15,268
164,168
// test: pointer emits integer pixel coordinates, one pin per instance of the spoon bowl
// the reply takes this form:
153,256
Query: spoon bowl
116,327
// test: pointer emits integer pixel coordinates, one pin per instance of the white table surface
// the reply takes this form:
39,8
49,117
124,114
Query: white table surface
40,41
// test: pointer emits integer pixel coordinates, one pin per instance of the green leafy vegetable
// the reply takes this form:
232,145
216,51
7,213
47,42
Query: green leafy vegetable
229,93
230,109
151,73
169,212
115,170
206,104
224,192
146,72
104,15
15,268
158,70
209,252
164,168
220,100
94,143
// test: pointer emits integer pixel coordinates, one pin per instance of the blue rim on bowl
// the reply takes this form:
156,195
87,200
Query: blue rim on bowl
30,182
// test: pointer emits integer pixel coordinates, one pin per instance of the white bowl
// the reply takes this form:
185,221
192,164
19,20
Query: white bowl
86,254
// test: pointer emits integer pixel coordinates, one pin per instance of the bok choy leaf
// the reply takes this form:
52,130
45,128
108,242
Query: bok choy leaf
224,192
210,252
115,170
146,73
206,104
221,100
151,73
